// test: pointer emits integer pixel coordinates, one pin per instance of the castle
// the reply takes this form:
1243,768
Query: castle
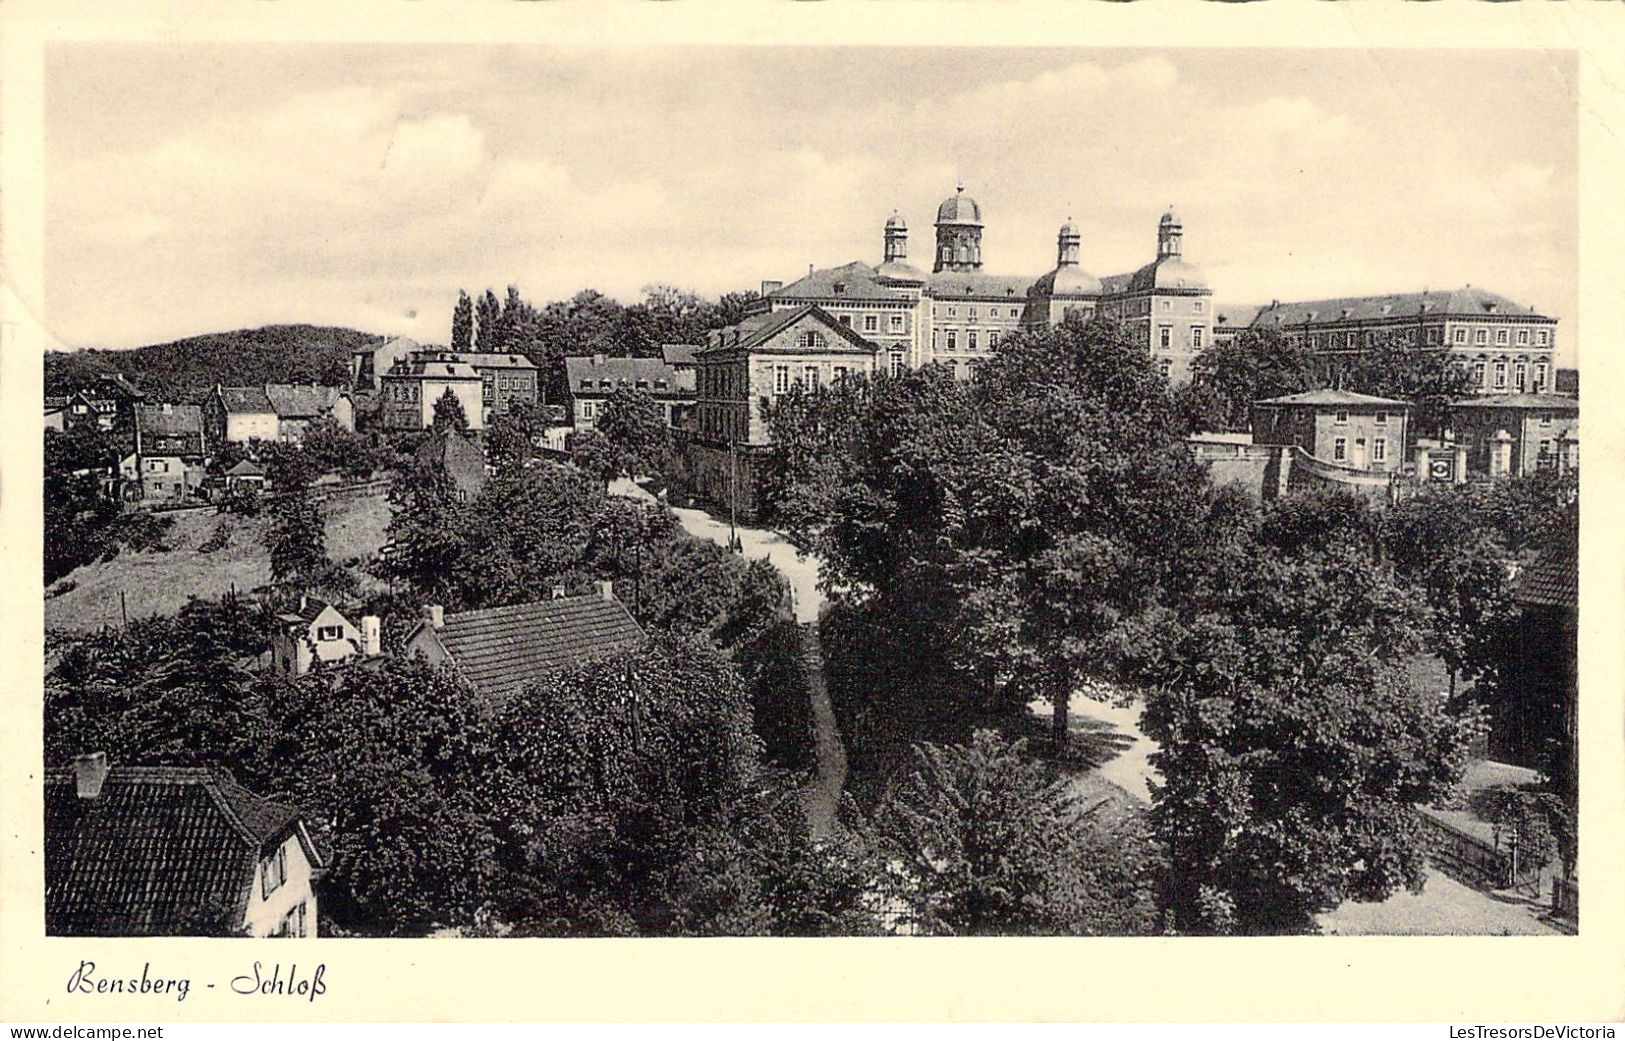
956,313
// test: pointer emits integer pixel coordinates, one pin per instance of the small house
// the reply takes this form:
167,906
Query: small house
172,851
1348,430
167,463
319,633
1510,435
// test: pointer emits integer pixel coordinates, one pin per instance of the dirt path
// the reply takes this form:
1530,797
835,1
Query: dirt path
822,798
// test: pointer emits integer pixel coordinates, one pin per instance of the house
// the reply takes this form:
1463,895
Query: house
412,386
458,457
591,381
1229,320
680,356
319,633
1348,430
740,373
246,474
1509,435
273,411
1535,722
172,851
167,464
368,364
114,401
501,649
504,379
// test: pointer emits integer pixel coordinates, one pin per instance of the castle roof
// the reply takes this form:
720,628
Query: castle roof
1340,398
603,375
1523,401
976,285
1468,302
959,208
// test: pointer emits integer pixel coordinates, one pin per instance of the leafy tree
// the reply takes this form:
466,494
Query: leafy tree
510,437
390,766
449,414
1291,746
1226,378
593,454
633,423
1395,366
83,520
333,449
288,466
297,540
462,324
426,537
487,335
985,842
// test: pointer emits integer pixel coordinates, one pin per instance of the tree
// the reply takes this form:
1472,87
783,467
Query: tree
84,521
1291,746
297,540
1227,377
636,429
985,842
449,414
462,324
487,335
593,454
511,436
1395,366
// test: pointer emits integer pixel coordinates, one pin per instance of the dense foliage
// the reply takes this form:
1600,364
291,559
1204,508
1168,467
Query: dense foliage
83,521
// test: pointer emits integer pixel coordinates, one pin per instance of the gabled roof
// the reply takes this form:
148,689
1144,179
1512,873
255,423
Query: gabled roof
1468,302
115,383
245,399
439,365
302,400
1553,580
461,459
246,468
1529,401
500,649
169,420
1334,397
398,343
159,850
757,332
677,353
627,372
851,281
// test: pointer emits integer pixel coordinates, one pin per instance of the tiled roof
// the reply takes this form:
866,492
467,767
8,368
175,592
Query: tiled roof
173,420
1553,580
1557,401
1167,273
119,385
757,332
1333,397
398,343
1235,316
460,457
497,361
246,468
159,850
301,400
440,365
500,649
246,399
677,353
852,281
946,285
1114,284
1468,302
626,372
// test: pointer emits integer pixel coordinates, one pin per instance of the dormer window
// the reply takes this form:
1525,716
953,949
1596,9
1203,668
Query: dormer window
643,384
586,384
660,384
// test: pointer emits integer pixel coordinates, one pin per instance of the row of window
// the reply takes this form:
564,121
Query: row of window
783,378
587,384
974,313
950,339
1481,336
1379,449
1343,418
1520,375
1165,336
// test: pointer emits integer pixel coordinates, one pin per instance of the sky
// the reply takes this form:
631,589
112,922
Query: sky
197,188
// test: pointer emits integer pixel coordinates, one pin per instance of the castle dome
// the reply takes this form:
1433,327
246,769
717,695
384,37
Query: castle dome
1169,218
896,223
959,208
1168,273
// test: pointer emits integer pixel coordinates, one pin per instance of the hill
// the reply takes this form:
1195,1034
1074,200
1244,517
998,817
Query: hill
206,554
185,370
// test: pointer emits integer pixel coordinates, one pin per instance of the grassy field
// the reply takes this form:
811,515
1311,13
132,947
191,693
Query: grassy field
159,583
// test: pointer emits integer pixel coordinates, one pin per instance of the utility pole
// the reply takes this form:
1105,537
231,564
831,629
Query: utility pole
123,608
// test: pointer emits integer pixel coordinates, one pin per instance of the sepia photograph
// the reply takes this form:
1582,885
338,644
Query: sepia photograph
531,491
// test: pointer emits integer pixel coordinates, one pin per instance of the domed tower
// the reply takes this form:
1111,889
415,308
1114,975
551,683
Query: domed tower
959,234
896,239
1066,244
1169,234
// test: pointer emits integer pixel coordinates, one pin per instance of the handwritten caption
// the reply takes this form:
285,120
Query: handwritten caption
264,981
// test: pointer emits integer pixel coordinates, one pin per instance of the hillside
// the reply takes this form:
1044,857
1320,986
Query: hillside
185,370
193,564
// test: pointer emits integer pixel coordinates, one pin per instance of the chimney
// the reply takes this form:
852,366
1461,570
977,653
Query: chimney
606,589
771,286
558,592
304,601
372,644
435,615
89,771
600,359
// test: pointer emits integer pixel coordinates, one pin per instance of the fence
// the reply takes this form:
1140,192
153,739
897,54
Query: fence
1467,857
